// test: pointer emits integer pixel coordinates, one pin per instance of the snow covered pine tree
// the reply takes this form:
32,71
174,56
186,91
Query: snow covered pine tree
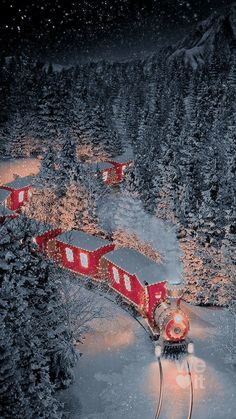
36,349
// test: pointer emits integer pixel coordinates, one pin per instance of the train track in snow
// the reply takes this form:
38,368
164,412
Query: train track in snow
160,399
191,392
122,304
161,391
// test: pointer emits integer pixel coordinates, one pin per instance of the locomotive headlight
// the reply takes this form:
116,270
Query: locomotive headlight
178,318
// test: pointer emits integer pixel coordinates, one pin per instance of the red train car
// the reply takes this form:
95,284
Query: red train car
120,163
119,267
20,191
81,252
136,278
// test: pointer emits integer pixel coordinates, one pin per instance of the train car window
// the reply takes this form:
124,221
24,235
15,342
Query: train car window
84,260
69,255
116,275
21,196
127,282
105,175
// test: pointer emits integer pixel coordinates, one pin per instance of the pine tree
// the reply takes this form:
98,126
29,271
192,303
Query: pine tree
73,207
129,204
97,193
10,389
48,173
44,205
67,159
19,144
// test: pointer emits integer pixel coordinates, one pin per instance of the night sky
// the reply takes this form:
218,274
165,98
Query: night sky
60,28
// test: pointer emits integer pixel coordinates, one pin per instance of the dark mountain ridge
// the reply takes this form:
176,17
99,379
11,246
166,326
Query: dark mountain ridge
211,38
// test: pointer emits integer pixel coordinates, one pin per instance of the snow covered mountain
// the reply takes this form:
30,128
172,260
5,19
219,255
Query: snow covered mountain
212,38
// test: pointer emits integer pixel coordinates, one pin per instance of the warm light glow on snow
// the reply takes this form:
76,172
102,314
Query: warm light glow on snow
21,167
201,327
176,391
112,337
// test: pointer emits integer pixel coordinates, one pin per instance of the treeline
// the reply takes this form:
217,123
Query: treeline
37,103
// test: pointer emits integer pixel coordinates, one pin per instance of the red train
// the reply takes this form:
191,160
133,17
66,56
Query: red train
19,192
138,280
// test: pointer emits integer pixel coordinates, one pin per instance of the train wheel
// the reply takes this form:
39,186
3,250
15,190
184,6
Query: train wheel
155,337
119,300
133,311
89,285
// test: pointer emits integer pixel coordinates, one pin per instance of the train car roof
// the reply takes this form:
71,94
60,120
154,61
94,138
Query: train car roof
103,165
123,158
4,194
82,240
20,182
5,211
135,263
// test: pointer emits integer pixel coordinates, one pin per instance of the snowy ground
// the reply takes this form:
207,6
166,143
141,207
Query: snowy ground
117,376
21,167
